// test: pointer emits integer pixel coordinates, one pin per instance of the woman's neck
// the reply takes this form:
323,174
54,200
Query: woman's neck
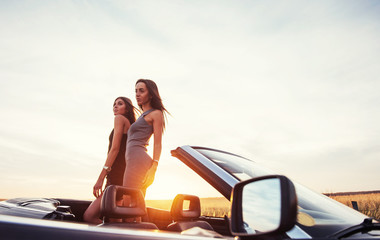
146,107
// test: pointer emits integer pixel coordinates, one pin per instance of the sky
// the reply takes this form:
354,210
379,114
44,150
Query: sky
292,85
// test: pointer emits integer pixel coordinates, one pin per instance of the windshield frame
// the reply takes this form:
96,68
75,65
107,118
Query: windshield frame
217,177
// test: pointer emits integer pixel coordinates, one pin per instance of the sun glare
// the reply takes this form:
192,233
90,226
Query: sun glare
174,177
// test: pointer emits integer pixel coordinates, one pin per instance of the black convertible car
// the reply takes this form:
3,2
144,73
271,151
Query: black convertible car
263,205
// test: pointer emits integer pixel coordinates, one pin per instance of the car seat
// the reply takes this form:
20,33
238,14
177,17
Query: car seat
109,209
186,218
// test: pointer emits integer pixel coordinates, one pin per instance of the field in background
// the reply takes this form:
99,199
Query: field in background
213,207
368,203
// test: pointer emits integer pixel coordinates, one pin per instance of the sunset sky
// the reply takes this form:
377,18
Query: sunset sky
293,85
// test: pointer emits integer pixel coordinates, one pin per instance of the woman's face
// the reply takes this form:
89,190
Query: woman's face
142,94
119,107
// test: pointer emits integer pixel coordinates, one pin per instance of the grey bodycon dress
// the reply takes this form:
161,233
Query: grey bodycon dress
137,159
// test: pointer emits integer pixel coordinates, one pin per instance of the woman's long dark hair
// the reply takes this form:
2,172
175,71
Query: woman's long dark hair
156,101
130,114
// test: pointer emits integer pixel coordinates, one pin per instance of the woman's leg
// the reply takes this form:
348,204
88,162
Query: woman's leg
136,168
92,214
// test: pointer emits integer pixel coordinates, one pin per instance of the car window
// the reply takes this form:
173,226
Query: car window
239,167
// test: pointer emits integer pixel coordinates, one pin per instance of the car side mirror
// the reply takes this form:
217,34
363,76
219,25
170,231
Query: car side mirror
263,206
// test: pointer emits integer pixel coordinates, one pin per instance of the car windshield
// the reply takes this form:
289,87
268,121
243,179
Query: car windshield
314,209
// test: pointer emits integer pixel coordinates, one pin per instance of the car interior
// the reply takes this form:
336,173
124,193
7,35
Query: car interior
182,218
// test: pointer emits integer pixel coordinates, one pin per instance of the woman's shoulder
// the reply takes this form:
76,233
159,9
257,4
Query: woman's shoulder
156,113
121,118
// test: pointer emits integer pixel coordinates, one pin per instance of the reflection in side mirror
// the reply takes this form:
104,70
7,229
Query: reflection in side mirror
263,206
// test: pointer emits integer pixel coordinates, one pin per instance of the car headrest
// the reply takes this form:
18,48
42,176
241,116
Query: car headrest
178,212
109,209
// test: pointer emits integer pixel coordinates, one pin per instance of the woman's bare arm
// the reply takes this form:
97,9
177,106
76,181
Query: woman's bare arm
157,134
119,123
157,122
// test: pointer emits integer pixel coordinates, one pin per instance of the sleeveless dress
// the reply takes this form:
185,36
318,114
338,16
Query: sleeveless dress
115,176
137,159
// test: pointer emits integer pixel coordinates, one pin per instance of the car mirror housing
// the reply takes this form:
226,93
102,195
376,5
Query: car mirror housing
263,206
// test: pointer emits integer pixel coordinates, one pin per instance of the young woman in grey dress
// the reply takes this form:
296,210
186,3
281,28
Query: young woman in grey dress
114,166
140,167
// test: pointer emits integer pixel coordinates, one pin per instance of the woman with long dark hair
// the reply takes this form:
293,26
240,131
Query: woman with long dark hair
140,167
114,166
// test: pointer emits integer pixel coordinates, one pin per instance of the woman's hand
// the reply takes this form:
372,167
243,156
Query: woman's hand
149,177
98,188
